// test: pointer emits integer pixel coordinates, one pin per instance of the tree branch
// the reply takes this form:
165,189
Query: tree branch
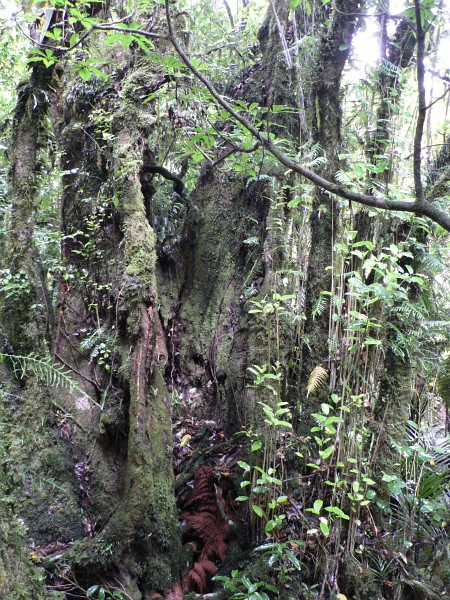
419,206
234,150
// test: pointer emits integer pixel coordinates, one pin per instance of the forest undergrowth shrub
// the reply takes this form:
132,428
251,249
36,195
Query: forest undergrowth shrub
340,448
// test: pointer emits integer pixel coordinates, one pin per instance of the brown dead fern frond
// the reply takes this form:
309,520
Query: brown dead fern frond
207,519
198,575
203,523
203,486
316,380
176,593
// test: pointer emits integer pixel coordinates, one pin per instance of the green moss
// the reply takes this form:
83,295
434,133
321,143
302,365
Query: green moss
40,467
19,578
213,277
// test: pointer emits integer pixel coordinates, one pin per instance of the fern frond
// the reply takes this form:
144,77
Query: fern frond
176,593
319,306
218,546
204,524
343,178
209,567
194,579
45,371
319,161
432,263
316,149
203,488
317,379
425,589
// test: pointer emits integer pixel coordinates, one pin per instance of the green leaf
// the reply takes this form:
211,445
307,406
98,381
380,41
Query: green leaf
244,465
337,511
294,202
256,446
368,481
324,454
85,74
358,171
317,507
325,408
294,560
270,525
324,527
257,510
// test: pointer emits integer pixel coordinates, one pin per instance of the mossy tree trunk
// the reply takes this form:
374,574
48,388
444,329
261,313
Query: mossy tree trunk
27,330
144,526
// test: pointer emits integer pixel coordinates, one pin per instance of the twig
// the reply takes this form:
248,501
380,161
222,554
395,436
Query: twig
437,99
229,13
283,41
147,34
87,33
85,377
235,149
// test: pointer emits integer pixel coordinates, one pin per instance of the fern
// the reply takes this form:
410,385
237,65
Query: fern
316,150
432,263
209,523
176,593
45,371
316,380
343,178
425,589
319,306
319,161
199,574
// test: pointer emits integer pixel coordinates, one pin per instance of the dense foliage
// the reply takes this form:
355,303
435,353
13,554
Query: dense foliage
224,300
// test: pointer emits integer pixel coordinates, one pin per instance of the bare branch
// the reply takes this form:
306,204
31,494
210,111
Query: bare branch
283,41
143,32
437,100
113,26
234,150
229,13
